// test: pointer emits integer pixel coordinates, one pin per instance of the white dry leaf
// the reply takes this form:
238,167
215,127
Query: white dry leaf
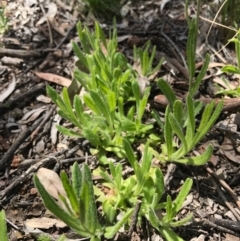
53,185
143,83
44,223
163,3
8,91
51,182
40,146
54,131
11,61
44,99
52,11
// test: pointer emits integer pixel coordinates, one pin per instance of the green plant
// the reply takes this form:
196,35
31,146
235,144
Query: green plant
180,118
194,83
109,84
231,69
180,121
147,185
146,60
3,21
79,208
3,227
47,238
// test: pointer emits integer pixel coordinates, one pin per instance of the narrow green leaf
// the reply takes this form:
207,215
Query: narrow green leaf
111,231
78,106
82,78
168,133
191,50
167,91
107,178
182,221
131,113
103,107
128,125
207,121
136,92
67,205
230,69
178,202
81,56
91,104
155,115
53,207
146,159
87,201
92,137
150,61
169,234
191,121
197,82
159,182
206,116
100,34
116,172
177,128
169,210
76,179
52,94
68,132
197,160
72,197
129,153
3,227
152,217
178,110
68,106
109,211
143,103
111,97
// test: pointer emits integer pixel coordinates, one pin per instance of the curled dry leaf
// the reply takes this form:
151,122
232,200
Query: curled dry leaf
32,115
9,90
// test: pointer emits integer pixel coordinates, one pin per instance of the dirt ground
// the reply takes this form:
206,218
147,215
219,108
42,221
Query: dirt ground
36,51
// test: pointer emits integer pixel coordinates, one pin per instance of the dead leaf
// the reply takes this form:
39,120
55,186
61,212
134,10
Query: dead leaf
54,78
52,11
123,38
44,99
143,83
11,61
220,81
32,115
44,223
51,182
9,90
74,89
56,121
